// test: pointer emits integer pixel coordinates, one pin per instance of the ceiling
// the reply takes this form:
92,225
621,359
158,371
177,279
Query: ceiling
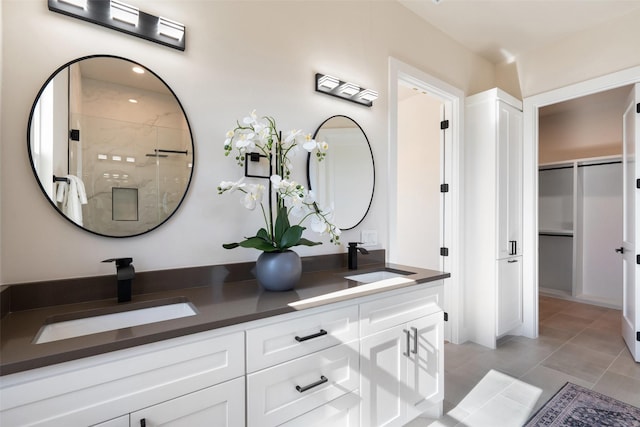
500,30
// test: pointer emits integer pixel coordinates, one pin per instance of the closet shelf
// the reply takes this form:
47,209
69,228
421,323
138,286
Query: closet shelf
565,233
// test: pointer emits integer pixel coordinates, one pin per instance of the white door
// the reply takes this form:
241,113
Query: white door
631,206
383,365
425,369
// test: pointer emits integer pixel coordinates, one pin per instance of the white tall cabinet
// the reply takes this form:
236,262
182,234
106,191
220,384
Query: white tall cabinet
493,216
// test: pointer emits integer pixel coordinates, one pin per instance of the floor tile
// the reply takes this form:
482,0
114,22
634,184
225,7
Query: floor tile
620,387
490,386
567,322
550,381
585,311
603,341
625,365
580,362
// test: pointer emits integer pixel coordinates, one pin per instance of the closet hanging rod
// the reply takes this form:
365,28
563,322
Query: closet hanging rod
185,152
555,234
614,162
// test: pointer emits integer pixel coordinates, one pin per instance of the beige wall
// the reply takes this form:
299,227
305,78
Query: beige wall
240,55
596,52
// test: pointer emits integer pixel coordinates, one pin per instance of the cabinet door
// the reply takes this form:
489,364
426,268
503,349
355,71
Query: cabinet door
221,405
341,412
425,369
382,368
509,295
122,421
509,177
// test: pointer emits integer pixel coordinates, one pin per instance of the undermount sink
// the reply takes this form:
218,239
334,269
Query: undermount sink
100,320
376,276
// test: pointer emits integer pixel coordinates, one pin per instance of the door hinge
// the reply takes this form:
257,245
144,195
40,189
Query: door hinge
638,108
637,259
446,316
74,134
638,336
444,251
444,124
444,188
637,183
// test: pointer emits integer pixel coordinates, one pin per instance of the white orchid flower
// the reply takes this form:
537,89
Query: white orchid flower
253,196
292,135
251,119
318,225
231,186
229,136
323,146
246,141
309,143
276,181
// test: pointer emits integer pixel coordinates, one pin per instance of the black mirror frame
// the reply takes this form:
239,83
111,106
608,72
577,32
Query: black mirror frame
373,164
35,173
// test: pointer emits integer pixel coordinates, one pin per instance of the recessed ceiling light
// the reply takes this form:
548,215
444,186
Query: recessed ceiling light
133,101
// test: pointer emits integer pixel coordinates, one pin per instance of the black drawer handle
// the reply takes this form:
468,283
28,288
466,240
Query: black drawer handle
323,380
143,422
312,336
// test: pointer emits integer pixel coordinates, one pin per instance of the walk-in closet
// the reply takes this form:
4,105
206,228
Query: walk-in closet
580,199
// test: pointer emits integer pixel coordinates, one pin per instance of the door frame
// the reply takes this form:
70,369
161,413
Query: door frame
453,98
531,106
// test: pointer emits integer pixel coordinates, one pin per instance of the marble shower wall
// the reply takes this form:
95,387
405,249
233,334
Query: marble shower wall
117,150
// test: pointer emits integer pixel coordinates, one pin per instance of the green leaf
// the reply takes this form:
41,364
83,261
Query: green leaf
264,234
282,224
230,245
258,243
306,242
291,237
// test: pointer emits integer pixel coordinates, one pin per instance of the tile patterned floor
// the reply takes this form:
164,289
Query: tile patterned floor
578,342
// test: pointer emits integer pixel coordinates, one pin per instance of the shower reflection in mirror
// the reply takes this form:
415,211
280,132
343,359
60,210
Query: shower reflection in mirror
103,123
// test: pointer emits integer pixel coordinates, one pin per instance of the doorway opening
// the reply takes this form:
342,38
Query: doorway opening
424,176
532,107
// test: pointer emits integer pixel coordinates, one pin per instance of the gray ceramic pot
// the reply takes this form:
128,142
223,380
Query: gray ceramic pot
278,271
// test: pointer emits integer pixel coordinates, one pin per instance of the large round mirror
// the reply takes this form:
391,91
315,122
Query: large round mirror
344,181
111,146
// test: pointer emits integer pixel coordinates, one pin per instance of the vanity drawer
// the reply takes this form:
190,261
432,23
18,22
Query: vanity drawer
384,313
90,390
288,390
278,342
341,412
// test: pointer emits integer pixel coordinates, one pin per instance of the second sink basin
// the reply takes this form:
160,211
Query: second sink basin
93,321
376,276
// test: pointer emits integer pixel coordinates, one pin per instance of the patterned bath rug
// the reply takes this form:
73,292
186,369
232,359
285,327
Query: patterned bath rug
575,406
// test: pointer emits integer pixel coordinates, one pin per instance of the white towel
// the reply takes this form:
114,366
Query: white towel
71,195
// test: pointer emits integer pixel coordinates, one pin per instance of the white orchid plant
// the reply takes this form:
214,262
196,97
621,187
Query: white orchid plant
293,201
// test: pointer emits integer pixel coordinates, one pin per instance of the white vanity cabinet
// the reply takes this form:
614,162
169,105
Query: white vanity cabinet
349,363
493,218
402,359
101,388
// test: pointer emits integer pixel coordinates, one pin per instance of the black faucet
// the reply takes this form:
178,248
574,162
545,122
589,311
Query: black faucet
125,274
353,254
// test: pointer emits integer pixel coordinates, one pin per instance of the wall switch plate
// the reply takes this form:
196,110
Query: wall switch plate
369,237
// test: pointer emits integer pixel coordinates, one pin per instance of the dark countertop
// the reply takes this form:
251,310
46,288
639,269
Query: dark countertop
218,305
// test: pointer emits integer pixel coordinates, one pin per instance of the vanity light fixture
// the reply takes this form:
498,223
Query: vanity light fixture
328,82
349,89
124,18
133,100
137,70
131,159
345,90
77,3
116,158
169,28
103,157
124,12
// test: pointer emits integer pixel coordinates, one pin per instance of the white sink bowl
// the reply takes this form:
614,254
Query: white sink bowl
60,330
375,276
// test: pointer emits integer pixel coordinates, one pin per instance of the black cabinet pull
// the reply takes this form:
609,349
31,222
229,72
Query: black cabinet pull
143,423
323,380
415,340
511,261
309,337
620,250
408,336
514,247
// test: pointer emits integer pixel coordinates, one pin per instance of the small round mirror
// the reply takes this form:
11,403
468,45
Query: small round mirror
110,146
344,181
